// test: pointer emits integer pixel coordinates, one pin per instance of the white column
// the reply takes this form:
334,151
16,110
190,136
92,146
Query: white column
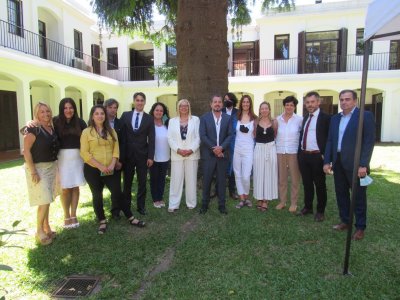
23,106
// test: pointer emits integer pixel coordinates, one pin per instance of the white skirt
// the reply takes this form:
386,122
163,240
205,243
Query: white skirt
70,167
265,171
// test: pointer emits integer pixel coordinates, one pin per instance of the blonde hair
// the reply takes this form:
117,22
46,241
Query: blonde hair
36,112
179,104
259,110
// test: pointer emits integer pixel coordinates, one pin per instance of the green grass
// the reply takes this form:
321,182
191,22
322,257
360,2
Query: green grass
244,255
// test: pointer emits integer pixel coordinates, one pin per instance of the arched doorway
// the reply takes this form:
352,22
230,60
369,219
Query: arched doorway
275,99
8,115
141,57
170,101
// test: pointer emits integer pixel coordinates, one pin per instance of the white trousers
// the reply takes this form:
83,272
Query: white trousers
183,171
242,165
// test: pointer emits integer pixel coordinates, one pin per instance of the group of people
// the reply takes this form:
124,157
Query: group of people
229,142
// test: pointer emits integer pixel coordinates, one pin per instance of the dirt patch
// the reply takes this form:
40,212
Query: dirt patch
165,261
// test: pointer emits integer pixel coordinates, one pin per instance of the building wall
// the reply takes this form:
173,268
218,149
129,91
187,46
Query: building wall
43,80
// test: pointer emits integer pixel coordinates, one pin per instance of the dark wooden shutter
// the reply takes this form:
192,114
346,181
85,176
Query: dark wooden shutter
342,50
301,55
96,58
256,58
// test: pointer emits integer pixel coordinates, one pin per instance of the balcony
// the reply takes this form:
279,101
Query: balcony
314,64
31,43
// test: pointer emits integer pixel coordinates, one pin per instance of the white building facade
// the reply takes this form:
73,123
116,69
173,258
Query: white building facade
51,49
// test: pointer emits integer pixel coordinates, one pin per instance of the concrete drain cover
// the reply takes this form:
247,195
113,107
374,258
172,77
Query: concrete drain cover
76,286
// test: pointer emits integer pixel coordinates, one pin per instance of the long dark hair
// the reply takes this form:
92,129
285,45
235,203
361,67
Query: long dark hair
61,121
252,115
107,130
165,115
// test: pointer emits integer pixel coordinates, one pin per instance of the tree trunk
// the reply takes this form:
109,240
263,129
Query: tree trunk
202,51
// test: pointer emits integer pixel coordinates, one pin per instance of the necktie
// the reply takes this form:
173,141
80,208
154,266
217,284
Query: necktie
306,133
137,121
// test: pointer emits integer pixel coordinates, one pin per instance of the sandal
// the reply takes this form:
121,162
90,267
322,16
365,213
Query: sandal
67,226
43,241
240,204
76,224
102,227
136,222
248,203
52,234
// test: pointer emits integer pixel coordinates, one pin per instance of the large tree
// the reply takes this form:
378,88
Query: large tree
199,28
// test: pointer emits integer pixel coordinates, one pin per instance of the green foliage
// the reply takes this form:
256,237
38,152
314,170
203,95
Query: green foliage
278,5
166,73
5,235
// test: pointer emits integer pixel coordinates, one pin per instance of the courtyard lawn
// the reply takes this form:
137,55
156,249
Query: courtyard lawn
244,255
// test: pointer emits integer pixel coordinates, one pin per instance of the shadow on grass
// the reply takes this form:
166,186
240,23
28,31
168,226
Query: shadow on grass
244,255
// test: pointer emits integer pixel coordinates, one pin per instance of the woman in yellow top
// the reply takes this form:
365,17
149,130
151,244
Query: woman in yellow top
100,151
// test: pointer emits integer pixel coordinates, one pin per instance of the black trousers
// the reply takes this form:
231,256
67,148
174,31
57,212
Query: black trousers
140,166
96,185
158,172
311,169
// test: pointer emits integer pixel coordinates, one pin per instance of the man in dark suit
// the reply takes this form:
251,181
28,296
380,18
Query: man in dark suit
111,106
230,102
215,136
137,149
339,156
313,136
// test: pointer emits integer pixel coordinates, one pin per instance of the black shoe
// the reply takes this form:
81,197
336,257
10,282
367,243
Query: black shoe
115,216
319,217
203,210
233,195
142,211
305,211
223,210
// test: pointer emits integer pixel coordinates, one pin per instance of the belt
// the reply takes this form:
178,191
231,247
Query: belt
311,152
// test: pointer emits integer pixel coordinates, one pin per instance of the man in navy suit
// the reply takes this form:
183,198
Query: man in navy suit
339,157
313,136
215,136
137,149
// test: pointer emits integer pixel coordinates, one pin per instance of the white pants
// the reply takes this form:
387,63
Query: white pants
242,165
183,170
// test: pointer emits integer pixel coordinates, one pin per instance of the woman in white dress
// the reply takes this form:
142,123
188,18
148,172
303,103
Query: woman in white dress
265,163
244,147
184,140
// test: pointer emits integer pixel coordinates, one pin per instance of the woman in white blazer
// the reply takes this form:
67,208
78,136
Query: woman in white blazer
184,140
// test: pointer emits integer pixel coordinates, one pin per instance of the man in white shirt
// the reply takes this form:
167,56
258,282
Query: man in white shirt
287,144
313,136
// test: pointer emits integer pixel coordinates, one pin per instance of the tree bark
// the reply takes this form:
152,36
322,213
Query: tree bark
202,51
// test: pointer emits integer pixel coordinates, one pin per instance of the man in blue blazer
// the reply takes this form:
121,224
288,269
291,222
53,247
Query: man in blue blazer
215,136
339,157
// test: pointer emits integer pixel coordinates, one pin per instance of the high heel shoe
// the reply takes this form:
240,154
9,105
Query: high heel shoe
43,241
